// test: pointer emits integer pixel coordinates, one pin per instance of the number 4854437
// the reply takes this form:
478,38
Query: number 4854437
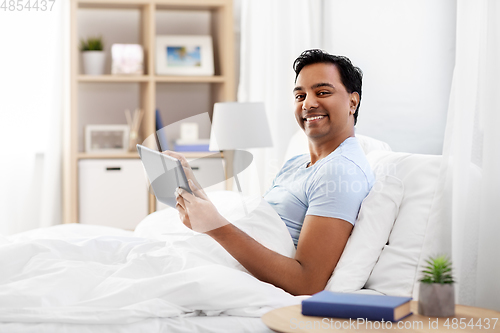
481,323
27,5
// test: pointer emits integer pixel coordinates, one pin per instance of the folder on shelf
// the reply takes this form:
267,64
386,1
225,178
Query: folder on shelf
161,133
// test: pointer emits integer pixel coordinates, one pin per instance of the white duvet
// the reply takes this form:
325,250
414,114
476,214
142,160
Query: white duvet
89,274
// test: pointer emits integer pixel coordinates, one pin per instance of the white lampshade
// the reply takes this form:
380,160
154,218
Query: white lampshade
239,126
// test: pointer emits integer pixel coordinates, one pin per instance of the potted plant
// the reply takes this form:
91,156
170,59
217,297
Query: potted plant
93,56
437,293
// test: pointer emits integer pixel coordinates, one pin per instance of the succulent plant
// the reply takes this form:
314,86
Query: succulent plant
92,44
438,270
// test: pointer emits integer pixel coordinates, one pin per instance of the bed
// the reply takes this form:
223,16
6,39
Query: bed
161,277
164,277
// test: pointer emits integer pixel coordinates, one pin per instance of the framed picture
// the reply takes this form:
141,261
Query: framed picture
184,55
127,59
106,139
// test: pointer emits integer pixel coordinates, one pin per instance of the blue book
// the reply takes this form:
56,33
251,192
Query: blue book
344,305
194,147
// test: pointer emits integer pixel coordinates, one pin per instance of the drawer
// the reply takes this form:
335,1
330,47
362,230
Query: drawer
112,192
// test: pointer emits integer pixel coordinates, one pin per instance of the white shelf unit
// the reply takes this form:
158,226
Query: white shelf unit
103,99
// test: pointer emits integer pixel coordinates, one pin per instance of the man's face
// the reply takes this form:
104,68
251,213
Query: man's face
323,107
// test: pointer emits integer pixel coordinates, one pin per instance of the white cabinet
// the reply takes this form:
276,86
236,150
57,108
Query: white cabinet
112,192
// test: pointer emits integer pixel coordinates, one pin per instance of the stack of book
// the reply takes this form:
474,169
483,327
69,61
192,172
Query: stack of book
192,145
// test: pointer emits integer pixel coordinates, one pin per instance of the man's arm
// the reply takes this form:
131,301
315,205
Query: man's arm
321,242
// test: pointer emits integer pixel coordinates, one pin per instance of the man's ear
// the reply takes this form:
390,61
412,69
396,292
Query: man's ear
354,102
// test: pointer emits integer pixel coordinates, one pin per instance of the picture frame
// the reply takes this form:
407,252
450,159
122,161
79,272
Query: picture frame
184,55
106,139
127,59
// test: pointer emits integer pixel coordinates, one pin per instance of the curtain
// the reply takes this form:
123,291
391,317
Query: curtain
34,87
273,34
471,154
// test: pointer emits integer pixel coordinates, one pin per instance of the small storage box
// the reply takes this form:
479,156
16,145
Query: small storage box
112,192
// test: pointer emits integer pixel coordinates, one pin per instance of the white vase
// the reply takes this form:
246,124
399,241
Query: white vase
93,62
436,300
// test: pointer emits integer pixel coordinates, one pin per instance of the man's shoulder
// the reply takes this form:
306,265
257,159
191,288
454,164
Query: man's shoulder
339,165
296,160
349,161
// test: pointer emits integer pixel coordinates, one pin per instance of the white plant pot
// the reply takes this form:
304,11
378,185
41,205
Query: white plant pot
93,62
436,300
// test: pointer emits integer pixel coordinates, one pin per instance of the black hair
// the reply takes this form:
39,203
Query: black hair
351,76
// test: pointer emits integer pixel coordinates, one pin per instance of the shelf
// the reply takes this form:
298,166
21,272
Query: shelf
211,154
161,4
145,78
113,4
100,99
82,156
190,79
113,78
189,4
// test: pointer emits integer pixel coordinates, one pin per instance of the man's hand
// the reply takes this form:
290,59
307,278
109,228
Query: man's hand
197,212
187,168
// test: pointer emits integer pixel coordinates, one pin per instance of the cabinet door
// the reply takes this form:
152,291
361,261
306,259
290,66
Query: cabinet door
210,174
112,192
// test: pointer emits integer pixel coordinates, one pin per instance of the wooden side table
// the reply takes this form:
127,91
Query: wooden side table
466,319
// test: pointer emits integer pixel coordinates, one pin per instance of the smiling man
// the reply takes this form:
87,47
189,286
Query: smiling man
329,183
327,97
317,195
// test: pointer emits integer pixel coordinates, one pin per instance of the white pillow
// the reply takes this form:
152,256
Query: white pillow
299,145
370,144
397,268
371,232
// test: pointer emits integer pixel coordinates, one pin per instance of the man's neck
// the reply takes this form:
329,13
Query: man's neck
319,150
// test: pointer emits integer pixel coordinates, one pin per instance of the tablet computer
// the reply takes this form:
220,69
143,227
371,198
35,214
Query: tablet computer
165,174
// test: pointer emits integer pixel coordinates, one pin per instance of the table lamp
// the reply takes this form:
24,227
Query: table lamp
239,126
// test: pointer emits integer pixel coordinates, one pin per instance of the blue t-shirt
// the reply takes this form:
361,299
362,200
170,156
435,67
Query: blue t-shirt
334,186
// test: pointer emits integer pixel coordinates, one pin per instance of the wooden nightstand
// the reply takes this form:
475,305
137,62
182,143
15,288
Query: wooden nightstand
466,319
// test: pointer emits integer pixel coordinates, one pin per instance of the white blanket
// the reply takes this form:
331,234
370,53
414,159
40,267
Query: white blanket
90,274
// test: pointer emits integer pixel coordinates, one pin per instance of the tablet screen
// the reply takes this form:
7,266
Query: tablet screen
165,174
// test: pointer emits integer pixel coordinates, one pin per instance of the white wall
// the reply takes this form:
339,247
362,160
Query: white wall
406,51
